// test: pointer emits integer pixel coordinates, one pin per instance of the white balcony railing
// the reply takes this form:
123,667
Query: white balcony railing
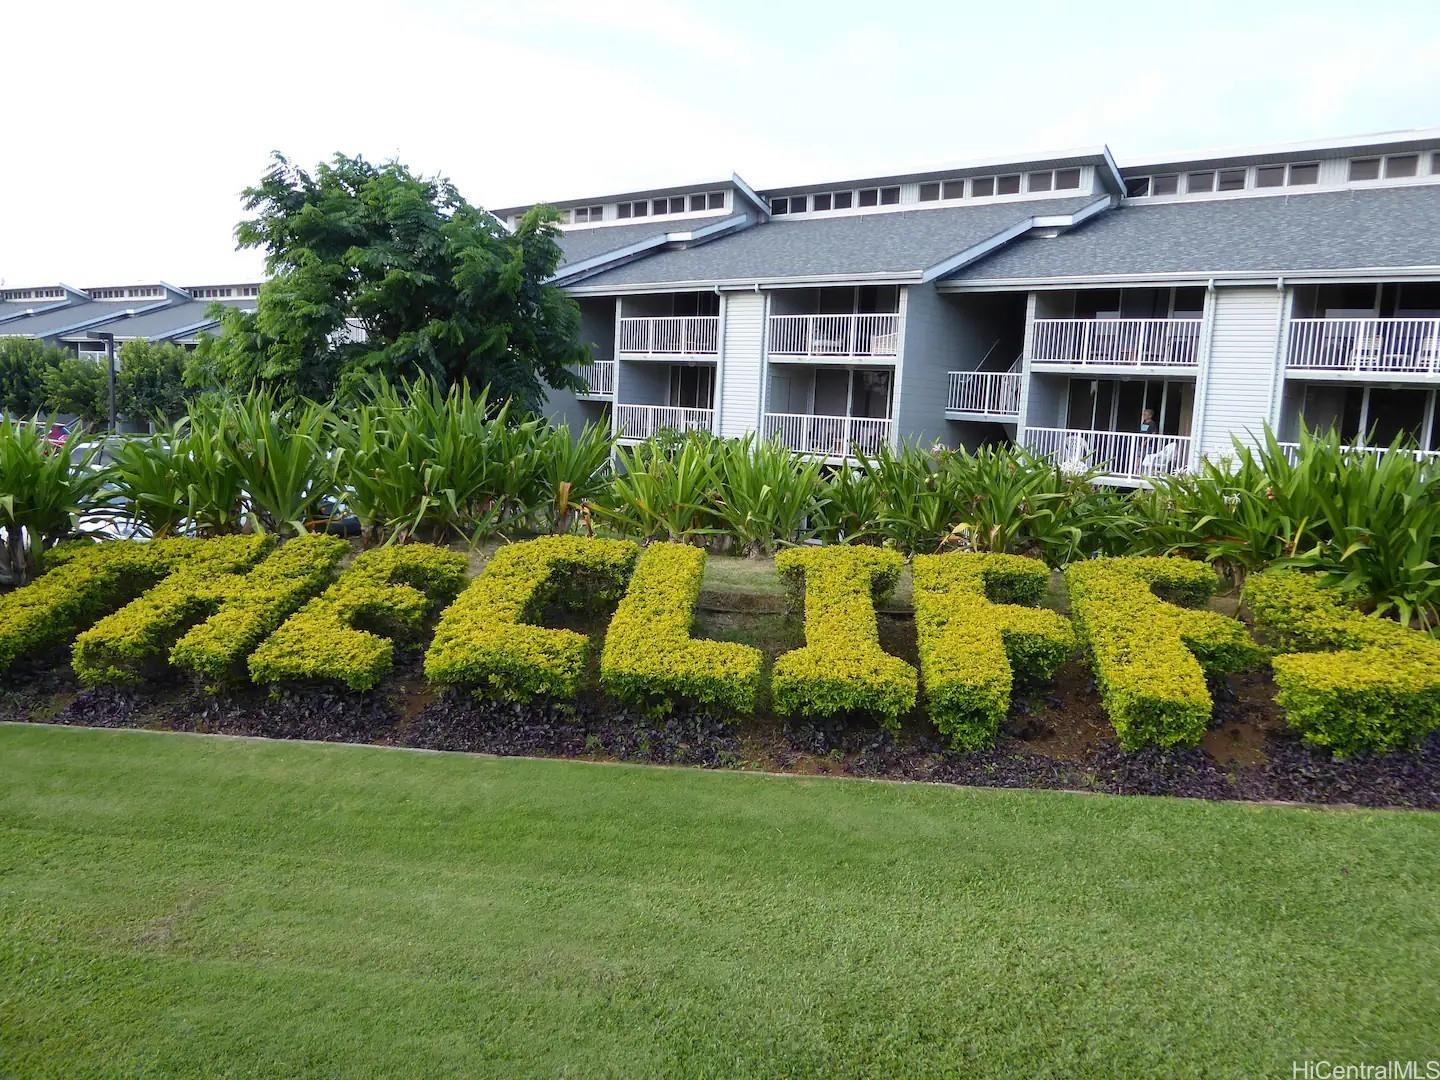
993,393
1292,452
643,421
832,436
1167,343
599,378
835,335
1113,453
1409,346
674,335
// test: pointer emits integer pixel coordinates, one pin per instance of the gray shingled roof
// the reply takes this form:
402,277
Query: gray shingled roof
890,243
168,321
1334,230
50,323
582,244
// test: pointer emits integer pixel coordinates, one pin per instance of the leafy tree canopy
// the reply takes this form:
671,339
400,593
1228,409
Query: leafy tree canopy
150,383
78,386
23,363
374,270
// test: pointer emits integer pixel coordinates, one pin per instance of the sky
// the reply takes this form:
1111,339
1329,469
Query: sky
131,129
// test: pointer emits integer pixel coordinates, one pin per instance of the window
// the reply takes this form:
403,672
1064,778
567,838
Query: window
1164,185
779,206
1137,187
1435,162
889,196
869,196
1039,181
1007,185
641,209
1067,179
799,204
982,186
822,201
1365,168
587,213
1401,165
1308,173
930,192
697,202
622,210
715,200
1199,181
844,200
1231,180
1270,176
954,189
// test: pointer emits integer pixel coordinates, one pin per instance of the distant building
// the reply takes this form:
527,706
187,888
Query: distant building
63,316
1048,301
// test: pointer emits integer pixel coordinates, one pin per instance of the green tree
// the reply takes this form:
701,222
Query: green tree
374,270
78,387
150,385
23,363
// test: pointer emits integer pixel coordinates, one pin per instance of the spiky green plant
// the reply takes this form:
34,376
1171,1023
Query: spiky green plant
43,489
766,494
663,493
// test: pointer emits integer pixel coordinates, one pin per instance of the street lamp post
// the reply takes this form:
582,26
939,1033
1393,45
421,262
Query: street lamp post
109,339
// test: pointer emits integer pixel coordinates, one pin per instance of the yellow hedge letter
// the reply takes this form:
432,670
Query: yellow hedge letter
842,668
973,636
1349,682
1151,657
209,615
487,640
651,660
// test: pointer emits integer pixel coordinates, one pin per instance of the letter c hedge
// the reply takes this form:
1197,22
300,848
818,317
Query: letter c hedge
486,640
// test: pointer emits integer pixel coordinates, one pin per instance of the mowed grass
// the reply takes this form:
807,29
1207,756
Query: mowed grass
183,905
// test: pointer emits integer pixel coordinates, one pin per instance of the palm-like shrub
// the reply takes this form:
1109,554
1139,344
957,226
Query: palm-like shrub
281,453
183,480
43,488
766,495
664,492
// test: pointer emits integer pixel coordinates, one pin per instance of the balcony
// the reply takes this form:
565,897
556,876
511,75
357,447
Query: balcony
670,336
635,422
1117,455
1373,348
835,337
599,379
829,436
984,395
1292,452
1125,344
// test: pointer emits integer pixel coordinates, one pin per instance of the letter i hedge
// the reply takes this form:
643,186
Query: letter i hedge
1150,656
978,627
842,669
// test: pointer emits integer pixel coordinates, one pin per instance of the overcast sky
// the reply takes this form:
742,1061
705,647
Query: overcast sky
131,128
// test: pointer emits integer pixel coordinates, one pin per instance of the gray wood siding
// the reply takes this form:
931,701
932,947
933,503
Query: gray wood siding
742,361
1240,372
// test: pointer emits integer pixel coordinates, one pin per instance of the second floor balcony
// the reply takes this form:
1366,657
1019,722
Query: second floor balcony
1117,343
637,422
599,379
989,395
837,437
1364,347
669,336
835,337
1124,456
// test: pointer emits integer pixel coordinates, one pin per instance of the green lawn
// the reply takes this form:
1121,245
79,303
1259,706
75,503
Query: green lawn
174,904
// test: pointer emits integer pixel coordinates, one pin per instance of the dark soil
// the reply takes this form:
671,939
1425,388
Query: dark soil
1055,737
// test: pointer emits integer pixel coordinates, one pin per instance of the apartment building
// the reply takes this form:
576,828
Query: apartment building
64,316
1049,301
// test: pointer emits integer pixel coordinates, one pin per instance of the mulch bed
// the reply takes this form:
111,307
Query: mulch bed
1057,739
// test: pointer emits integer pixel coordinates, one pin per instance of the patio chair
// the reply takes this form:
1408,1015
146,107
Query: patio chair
1161,461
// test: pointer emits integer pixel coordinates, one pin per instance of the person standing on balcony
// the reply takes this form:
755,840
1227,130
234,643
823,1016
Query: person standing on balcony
1147,422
